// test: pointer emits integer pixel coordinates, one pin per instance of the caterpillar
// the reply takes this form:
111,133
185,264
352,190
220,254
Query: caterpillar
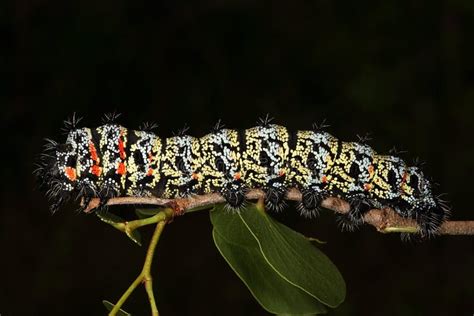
111,160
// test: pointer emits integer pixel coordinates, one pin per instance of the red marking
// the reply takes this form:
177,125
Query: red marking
324,179
367,186
150,157
121,169
121,147
237,176
371,170
281,173
96,170
149,172
93,152
404,177
195,176
404,180
70,173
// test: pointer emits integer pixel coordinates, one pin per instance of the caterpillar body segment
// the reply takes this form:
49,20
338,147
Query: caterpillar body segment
111,160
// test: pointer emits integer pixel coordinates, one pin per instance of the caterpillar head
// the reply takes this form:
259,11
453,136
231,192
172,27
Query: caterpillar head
429,210
56,172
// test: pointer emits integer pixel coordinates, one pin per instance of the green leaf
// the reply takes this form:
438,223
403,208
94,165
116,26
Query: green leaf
292,257
110,306
108,217
135,236
270,290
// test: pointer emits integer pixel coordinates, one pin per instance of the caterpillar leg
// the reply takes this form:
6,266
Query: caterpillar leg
103,201
87,191
108,191
310,202
430,220
275,198
346,223
85,202
234,193
359,206
351,221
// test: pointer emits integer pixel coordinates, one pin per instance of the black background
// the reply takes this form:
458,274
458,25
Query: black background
401,70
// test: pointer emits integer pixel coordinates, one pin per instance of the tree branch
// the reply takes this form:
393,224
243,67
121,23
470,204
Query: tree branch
384,220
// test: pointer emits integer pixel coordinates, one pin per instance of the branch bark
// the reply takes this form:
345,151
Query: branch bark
384,220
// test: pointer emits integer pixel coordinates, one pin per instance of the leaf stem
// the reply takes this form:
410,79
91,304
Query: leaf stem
145,275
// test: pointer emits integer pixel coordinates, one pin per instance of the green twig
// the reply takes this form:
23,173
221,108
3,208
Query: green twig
129,227
145,275
125,295
147,279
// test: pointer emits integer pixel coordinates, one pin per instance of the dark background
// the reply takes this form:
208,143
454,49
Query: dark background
401,70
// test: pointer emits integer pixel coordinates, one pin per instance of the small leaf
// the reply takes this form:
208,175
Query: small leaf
147,212
135,236
114,220
287,252
110,306
109,217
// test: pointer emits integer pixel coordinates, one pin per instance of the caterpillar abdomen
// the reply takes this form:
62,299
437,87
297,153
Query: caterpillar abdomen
111,160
